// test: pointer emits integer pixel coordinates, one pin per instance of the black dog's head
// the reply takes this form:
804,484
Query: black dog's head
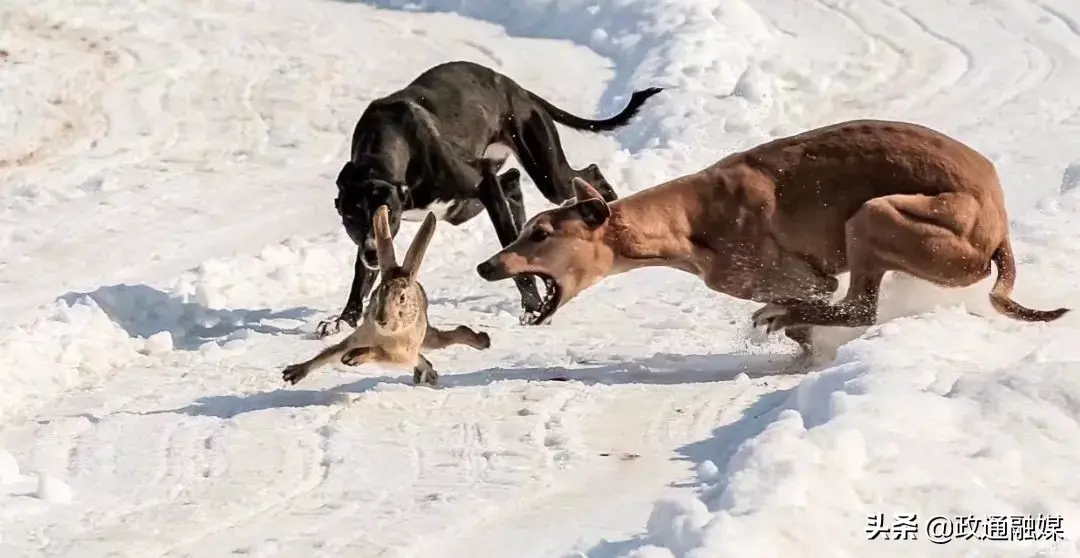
359,195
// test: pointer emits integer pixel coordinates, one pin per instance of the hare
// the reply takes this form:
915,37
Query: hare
395,326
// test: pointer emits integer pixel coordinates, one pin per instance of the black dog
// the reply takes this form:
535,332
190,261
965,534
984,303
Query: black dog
437,145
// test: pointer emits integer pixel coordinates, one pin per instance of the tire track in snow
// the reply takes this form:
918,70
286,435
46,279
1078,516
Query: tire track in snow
986,86
1062,17
867,87
637,467
957,76
80,117
1064,54
453,457
189,546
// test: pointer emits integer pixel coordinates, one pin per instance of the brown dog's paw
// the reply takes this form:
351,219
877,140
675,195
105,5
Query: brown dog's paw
788,312
773,316
294,373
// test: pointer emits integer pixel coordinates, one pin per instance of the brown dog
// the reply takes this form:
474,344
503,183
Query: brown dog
775,224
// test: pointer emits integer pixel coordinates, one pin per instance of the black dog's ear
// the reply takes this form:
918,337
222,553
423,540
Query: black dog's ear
349,174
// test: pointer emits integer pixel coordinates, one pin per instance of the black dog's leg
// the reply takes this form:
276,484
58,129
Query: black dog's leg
510,183
593,176
507,228
540,151
363,281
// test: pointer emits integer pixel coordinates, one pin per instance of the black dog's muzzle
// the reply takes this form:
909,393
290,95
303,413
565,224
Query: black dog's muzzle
370,257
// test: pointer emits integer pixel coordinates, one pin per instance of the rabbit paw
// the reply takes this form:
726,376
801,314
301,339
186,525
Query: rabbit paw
466,335
425,377
295,372
357,356
424,373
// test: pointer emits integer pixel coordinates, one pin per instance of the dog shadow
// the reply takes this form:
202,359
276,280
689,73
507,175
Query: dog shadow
659,369
142,311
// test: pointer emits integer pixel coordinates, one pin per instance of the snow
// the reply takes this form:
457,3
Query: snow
168,242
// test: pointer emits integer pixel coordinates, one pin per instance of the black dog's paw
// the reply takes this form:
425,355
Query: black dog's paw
294,373
595,178
334,325
511,175
328,327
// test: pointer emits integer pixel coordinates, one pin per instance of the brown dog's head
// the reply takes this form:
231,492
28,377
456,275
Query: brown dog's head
564,247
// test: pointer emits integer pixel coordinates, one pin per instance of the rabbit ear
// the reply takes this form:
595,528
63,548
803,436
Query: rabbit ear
384,243
419,245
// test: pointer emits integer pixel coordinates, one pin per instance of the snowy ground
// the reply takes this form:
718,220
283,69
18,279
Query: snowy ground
168,241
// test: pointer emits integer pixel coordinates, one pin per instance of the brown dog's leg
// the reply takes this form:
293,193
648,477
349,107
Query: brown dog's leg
460,335
924,236
801,335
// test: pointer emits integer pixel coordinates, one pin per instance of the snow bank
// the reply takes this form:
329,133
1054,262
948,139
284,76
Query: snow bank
22,494
73,343
984,424
85,336
269,279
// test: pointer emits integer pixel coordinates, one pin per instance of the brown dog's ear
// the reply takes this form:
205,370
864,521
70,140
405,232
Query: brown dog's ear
594,210
583,190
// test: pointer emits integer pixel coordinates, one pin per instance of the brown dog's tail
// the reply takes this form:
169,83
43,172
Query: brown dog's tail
999,295
605,125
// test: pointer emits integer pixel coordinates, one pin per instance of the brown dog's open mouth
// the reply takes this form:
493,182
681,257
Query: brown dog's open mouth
549,300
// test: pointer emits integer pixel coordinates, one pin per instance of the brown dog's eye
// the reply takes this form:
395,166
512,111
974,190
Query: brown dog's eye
401,298
538,235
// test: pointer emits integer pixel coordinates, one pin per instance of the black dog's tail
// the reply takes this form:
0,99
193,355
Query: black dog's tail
605,125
